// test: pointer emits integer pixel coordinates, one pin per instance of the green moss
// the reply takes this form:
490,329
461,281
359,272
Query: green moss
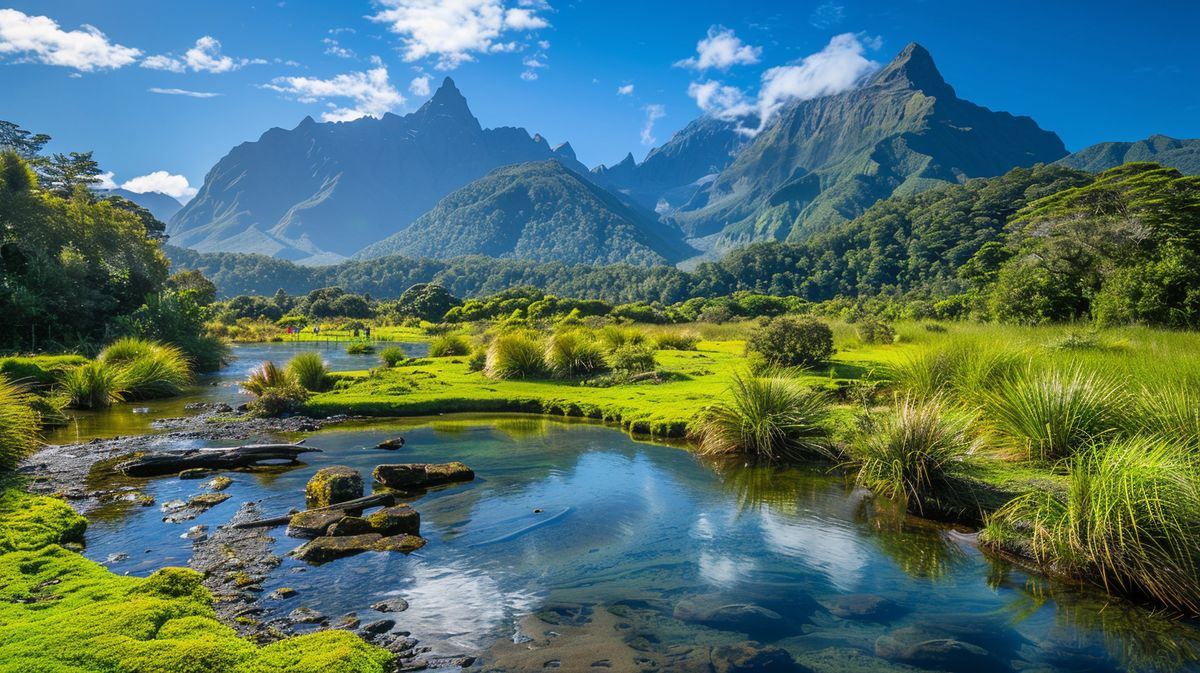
29,522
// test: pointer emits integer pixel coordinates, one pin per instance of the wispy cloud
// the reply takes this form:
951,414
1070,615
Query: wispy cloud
654,112
625,90
183,92
827,15
204,56
419,86
334,49
721,49
370,93
455,32
39,39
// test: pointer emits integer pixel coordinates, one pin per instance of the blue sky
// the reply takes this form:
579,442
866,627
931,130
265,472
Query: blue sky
162,90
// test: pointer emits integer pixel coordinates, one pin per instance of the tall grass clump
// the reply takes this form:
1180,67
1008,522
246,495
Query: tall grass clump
676,341
147,369
916,452
1170,411
767,417
310,371
1050,414
275,388
613,337
18,424
449,345
360,348
392,356
570,354
514,356
1129,520
94,385
962,370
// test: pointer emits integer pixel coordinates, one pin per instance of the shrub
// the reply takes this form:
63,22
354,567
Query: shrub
875,331
791,342
275,389
613,337
676,341
772,418
360,348
915,452
94,385
478,360
574,354
1048,415
310,371
633,359
392,356
514,356
1127,521
18,424
147,370
449,345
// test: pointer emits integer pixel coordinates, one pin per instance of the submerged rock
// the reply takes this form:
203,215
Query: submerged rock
745,657
313,524
741,617
324,549
195,473
391,605
304,615
396,520
391,444
422,475
866,607
218,483
401,543
333,485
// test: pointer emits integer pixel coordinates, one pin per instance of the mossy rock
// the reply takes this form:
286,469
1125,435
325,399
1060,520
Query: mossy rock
402,543
422,475
333,485
313,524
396,520
328,548
351,525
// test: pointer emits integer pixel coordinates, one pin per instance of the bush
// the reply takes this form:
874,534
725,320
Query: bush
310,371
147,370
94,385
18,424
449,345
360,348
571,354
633,358
791,342
613,337
916,452
392,356
772,418
676,341
1127,521
514,356
1048,415
478,360
874,331
276,390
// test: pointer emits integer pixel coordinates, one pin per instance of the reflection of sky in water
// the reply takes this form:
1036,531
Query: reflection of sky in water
619,520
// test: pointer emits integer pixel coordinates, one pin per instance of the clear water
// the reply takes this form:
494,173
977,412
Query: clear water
577,548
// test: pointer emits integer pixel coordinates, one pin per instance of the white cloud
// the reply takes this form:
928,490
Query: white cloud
419,86
106,181
204,56
827,15
838,67
453,31
163,62
39,39
625,90
534,62
370,92
334,49
183,92
529,75
721,49
654,112
161,181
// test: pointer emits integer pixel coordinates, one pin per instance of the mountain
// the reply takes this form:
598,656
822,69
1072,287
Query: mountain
1183,155
825,160
320,192
673,173
160,205
537,211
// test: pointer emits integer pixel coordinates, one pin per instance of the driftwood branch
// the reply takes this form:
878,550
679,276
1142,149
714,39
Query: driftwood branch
173,462
373,500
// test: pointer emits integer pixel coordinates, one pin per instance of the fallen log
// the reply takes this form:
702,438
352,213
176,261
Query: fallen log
174,462
373,500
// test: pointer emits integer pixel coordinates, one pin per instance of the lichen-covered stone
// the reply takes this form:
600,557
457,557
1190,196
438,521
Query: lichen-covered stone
328,548
396,520
313,524
401,543
333,485
421,475
218,483
351,525
391,444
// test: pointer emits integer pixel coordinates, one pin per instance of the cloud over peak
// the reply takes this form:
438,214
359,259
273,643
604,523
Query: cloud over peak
721,49
160,181
371,94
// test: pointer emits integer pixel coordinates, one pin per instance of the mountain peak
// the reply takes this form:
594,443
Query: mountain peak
627,161
447,102
914,68
564,150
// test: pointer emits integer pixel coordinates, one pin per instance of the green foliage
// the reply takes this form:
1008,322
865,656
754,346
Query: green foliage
771,418
360,348
875,331
145,369
1126,521
310,371
18,424
38,369
449,345
614,337
633,358
514,356
791,342
393,355
276,390
94,385
1051,414
965,370
425,301
915,452
574,354
676,341
177,318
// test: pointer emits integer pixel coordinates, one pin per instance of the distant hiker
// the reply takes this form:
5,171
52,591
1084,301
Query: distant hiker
355,332
368,331
316,330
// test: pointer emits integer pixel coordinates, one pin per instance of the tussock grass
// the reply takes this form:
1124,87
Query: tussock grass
18,424
916,451
392,356
1048,414
963,371
360,348
1129,520
1171,412
275,388
676,341
572,354
514,355
310,371
147,369
613,337
94,385
449,345
767,417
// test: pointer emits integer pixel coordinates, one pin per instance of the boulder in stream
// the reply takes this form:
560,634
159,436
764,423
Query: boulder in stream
391,444
396,520
313,524
409,476
333,485
324,549
402,543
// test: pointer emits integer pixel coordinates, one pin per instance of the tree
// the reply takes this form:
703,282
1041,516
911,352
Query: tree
427,301
154,227
201,288
26,144
64,174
